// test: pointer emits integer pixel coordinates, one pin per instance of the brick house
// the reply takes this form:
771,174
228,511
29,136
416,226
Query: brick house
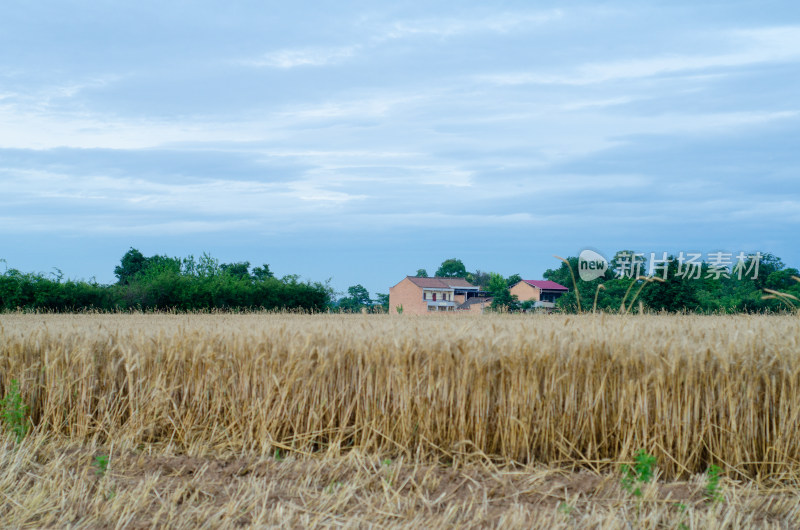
423,295
543,292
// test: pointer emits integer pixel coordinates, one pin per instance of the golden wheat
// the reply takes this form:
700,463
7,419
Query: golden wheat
590,389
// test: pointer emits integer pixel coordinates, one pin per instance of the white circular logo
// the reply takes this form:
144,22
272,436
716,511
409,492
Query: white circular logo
591,265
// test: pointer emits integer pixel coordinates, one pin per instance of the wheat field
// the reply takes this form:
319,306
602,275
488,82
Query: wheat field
465,409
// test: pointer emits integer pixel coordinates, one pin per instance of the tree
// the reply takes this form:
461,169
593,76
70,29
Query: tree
608,298
479,279
207,266
561,275
421,273
130,265
383,301
782,280
677,293
262,273
767,266
502,299
497,284
694,289
240,270
160,282
513,279
505,301
359,297
452,268
158,264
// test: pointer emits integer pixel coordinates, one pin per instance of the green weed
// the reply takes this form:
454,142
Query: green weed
101,465
13,411
640,473
712,491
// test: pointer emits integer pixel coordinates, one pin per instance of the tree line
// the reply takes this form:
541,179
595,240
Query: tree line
161,283
770,286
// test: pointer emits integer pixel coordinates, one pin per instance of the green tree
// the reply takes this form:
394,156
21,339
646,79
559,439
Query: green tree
608,299
421,273
479,279
207,266
452,268
513,279
358,298
677,293
161,282
767,265
239,270
130,265
383,301
262,273
502,299
158,264
497,284
561,275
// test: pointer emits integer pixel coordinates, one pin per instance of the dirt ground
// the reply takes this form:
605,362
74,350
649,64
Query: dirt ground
46,486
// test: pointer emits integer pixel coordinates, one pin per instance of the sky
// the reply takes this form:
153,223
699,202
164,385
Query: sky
361,141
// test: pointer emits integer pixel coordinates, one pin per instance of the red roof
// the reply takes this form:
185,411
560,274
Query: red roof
546,285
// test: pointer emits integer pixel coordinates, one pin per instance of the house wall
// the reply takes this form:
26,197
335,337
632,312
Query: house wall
460,298
525,292
410,296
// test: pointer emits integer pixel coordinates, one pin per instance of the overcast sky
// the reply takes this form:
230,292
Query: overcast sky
359,141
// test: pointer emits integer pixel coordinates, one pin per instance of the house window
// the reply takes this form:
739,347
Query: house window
434,297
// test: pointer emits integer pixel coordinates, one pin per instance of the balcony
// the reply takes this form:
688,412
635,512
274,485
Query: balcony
441,303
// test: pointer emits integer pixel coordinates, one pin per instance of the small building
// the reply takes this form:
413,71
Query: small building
476,304
419,296
543,292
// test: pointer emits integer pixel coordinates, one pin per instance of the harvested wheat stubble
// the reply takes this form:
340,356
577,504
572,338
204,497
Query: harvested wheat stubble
47,481
587,390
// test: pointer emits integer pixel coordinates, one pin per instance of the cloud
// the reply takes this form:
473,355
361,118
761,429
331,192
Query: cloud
52,95
449,26
757,46
32,128
598,103
375,105
72,89
298,57
315,192
339,155
106,224
436,27
242,199
459,220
